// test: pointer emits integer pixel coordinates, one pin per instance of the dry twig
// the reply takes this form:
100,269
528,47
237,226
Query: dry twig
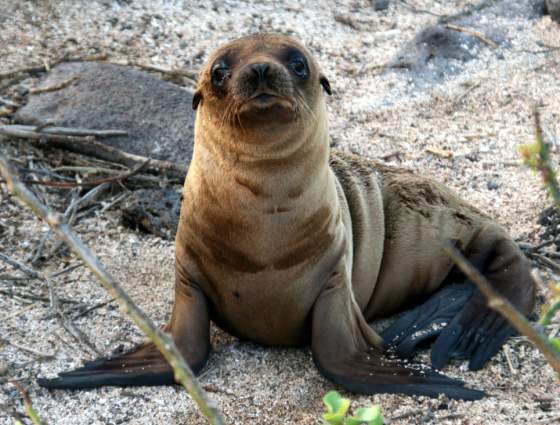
162,340
91,182
29,410
55,87
48,65
70,327
88,145
9,103
474,33
69,131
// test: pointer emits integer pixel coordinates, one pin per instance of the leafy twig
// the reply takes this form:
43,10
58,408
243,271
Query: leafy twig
162,340
29,410
537,157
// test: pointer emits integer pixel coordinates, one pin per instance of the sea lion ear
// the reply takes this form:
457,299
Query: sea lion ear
326,85
197,98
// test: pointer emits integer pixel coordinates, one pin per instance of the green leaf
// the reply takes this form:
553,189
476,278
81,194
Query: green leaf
555,342
337,406
367,415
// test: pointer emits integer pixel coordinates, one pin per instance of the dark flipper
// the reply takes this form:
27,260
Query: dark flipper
427,320
458,315
477,332
370,372
145,365
343,349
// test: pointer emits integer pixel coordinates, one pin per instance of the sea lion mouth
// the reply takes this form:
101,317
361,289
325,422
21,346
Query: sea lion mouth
264,97
266,101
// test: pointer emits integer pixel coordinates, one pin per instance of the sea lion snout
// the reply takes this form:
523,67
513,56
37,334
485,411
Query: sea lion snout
263,84
260,70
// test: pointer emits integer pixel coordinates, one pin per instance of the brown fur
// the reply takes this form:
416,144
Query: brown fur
279,244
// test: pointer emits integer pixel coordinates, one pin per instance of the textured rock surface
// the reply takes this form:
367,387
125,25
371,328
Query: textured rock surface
440,50
153,211
553,9
157,115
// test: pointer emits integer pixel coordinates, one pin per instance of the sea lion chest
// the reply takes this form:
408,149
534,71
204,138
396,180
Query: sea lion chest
261,264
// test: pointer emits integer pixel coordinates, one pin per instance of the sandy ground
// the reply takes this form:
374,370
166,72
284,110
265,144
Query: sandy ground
480,115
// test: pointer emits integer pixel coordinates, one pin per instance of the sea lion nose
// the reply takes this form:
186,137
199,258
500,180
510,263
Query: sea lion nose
260,70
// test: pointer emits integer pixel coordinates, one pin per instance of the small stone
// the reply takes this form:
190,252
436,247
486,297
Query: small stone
380,4
492,185
3,368
553,8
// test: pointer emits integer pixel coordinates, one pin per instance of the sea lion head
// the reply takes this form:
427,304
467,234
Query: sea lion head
260,81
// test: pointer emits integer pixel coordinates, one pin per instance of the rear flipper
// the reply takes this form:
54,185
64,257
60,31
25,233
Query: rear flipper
474,331
427,321
348,352
477,332
145,365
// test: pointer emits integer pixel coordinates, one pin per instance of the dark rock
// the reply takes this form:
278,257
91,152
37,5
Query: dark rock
553,9
440,51
153,211
435,44
157,115
492,185
380,4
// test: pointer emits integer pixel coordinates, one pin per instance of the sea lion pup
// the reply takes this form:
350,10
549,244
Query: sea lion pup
283,245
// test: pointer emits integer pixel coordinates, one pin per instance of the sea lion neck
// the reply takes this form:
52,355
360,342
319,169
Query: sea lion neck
261,157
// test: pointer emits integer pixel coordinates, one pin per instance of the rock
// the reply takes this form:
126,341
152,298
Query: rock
492,185
157,115
553,9
440,51
436,44
380,4
153,211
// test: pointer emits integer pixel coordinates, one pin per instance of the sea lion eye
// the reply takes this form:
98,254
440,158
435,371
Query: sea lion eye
220,72
299,68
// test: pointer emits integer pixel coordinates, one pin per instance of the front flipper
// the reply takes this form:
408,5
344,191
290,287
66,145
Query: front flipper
348,352
145,365
426,321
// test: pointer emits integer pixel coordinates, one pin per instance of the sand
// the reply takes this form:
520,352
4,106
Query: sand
480,115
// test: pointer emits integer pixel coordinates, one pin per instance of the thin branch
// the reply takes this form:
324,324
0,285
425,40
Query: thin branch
9,103
48,65
162,340
417,10
55,87
504,307
89,146
29,410
91,182
70,327
32,350
71,131
474,33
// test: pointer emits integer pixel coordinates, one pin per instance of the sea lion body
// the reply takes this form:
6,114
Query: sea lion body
283,242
